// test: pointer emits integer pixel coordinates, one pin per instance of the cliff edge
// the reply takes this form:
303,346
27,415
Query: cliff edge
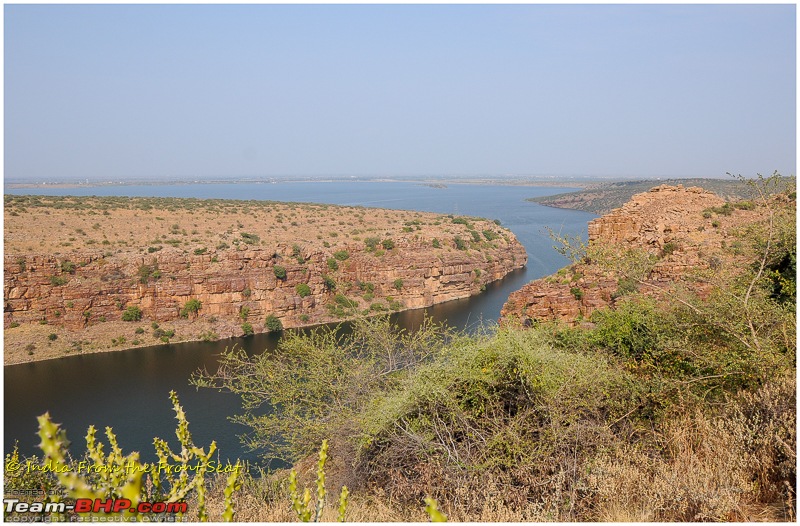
669,237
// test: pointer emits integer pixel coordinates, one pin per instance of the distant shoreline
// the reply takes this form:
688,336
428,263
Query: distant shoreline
478,181
581,182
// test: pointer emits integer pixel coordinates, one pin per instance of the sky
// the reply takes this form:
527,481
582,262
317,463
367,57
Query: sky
109,92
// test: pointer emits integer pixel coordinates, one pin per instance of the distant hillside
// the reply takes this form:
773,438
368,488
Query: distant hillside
601,198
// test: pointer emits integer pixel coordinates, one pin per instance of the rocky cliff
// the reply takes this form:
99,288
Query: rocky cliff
100,289
657,241
351,261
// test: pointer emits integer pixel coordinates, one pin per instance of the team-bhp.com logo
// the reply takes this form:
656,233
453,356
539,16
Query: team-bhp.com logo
94,506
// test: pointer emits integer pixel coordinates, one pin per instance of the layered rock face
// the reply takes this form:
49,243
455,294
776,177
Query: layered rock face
672,231
260,266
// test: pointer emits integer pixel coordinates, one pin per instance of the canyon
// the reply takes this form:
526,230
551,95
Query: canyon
94,274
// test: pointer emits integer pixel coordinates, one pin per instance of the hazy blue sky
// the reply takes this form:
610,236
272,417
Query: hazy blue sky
206,91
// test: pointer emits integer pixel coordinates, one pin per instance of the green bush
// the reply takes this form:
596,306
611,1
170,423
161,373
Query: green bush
372,243
68,267
332,264
341,255
247,329
345,302
303,290
132,313
625,286
146,272
435,243
522,402
669,248
192,307
387,244
57,281
329,283
490,235
319,380
398,284
632,330
273,324
280,272
209,336
460,243
250,239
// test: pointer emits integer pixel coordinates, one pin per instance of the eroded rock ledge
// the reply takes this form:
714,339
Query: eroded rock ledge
677,227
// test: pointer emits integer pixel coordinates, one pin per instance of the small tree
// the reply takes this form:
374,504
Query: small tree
280,272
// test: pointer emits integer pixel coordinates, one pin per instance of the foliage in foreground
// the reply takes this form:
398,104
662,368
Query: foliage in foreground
112,475
658,409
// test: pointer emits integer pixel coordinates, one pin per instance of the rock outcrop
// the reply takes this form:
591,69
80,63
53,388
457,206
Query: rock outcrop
657,240
412,274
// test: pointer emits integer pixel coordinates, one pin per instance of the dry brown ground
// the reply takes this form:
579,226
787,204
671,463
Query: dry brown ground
59,225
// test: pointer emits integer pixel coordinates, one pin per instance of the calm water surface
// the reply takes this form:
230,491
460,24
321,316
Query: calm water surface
129,390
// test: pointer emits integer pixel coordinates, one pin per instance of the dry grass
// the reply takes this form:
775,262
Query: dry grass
266,500
732,467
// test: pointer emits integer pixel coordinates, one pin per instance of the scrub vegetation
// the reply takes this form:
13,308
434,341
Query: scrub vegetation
672,409
658,409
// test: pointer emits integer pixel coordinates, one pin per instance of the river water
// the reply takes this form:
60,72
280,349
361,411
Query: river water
128,390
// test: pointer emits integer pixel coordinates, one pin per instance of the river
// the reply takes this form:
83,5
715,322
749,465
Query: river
128,390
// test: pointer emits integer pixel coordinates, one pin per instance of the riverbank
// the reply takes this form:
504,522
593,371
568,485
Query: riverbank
89,274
